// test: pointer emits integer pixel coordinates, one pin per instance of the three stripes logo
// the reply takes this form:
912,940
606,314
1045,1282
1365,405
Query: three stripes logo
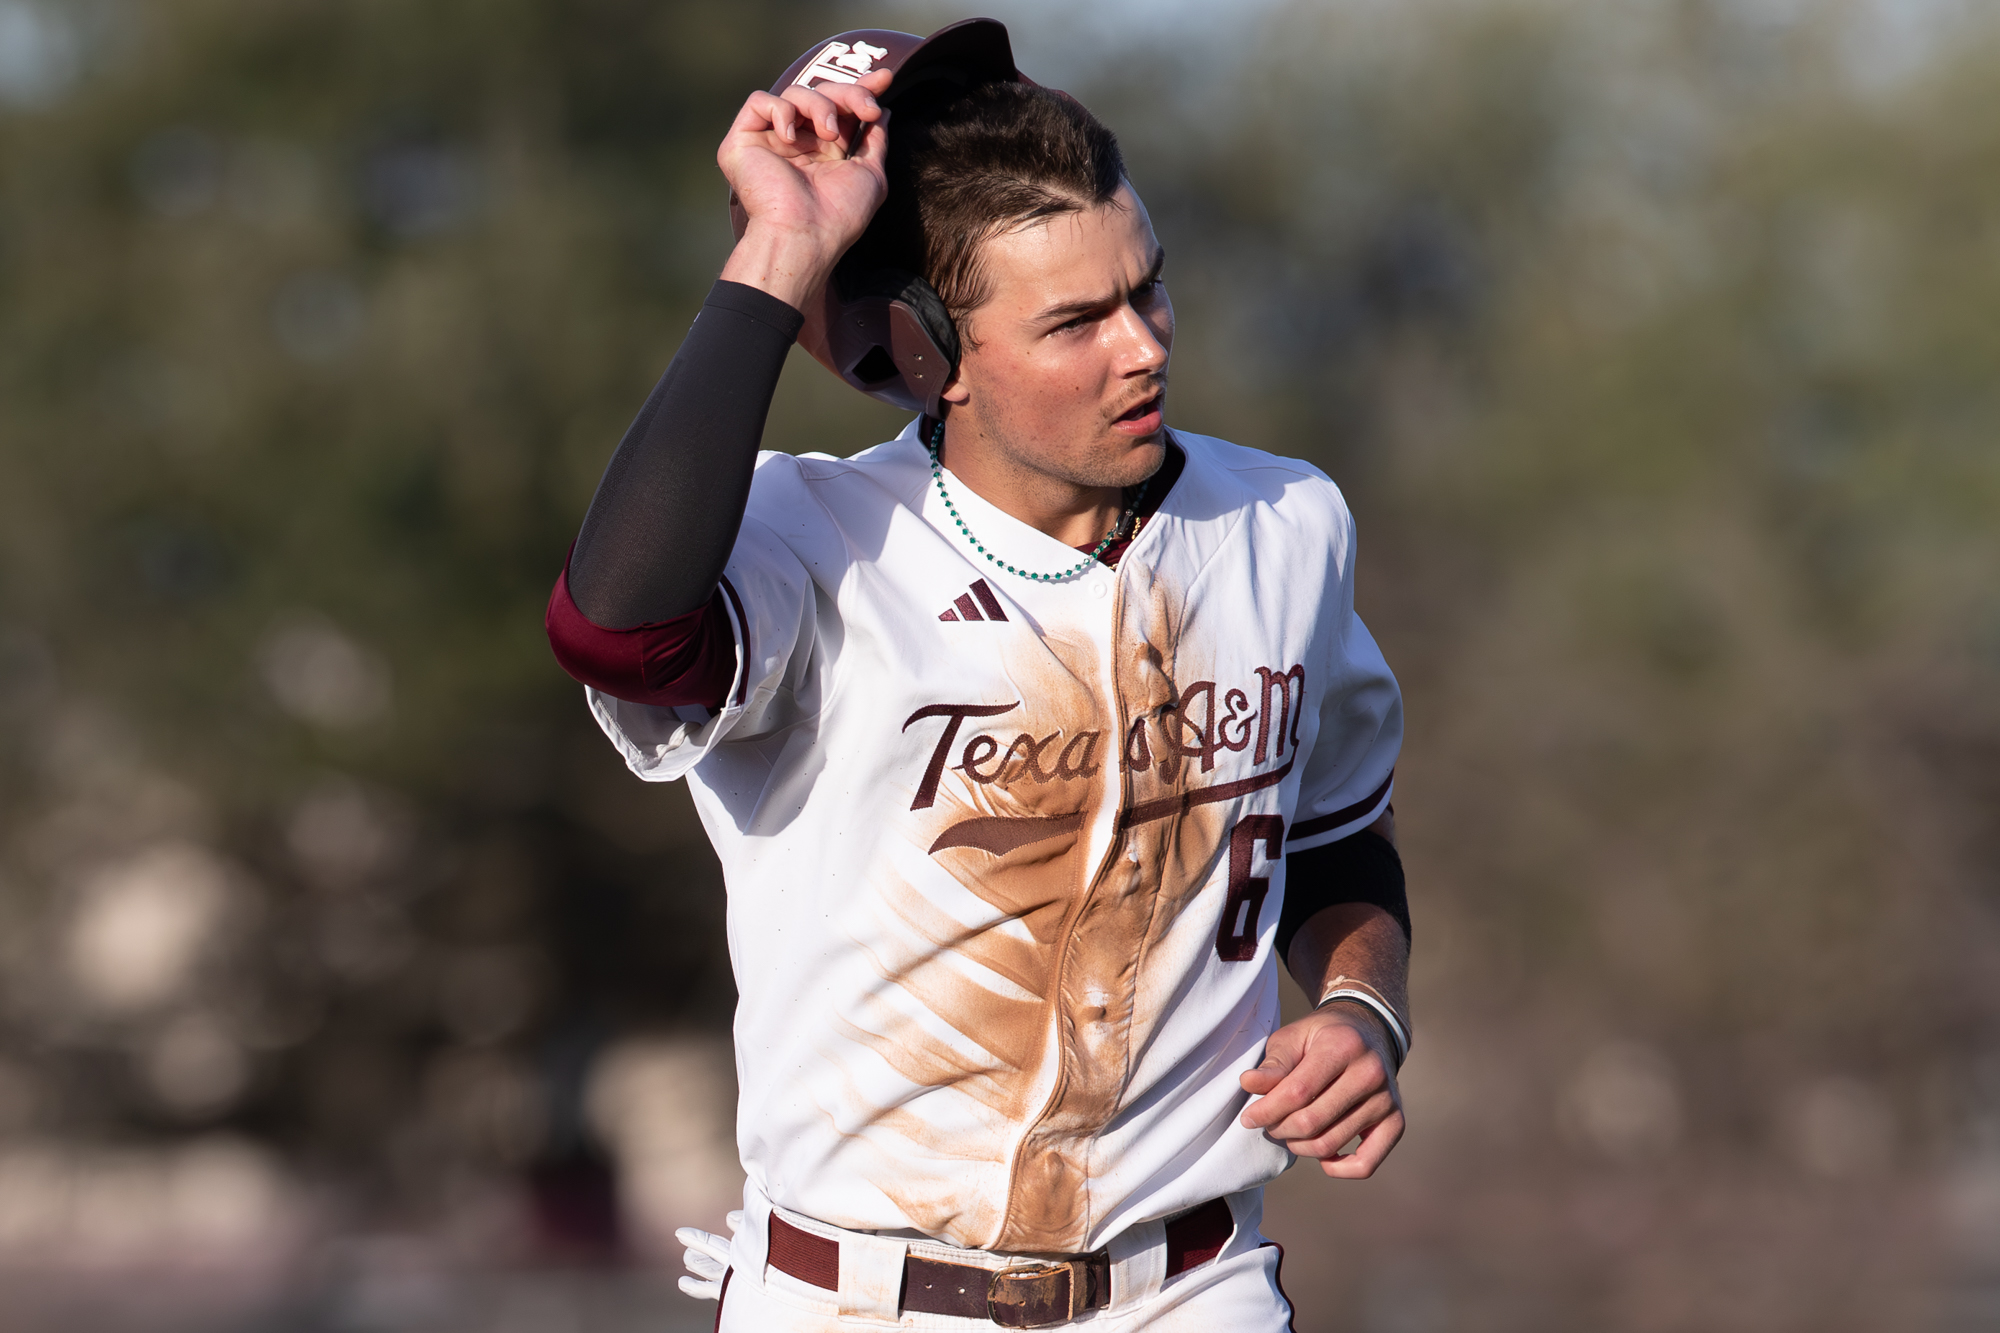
969,609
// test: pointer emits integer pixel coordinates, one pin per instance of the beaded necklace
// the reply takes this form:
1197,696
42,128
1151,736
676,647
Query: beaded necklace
937,475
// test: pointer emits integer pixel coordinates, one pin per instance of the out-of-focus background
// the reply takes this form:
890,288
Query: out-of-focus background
348,983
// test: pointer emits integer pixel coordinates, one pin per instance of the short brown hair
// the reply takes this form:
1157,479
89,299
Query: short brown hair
996,158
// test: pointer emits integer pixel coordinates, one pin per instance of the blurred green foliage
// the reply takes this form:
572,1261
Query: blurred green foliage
1654,344
319,320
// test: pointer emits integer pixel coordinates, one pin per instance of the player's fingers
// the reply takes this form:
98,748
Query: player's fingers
874,146
1330,1096
852,100
785,120
1318,1116
1325,1134
1281,1056
761,113
1368,1154
753,117
1271,1072
1325,1106
1312,1062
818,109
780,118
1298,1090
858,112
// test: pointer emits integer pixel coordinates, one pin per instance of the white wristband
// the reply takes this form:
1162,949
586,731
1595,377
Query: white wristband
1397,1032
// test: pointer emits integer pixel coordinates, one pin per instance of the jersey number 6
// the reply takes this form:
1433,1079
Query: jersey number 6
1236,934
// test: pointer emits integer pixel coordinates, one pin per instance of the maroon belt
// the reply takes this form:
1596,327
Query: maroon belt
1031,1294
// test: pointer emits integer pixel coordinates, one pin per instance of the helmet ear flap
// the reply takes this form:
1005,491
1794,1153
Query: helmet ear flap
889,335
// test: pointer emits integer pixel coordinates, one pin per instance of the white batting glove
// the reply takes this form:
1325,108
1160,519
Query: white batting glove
707,1259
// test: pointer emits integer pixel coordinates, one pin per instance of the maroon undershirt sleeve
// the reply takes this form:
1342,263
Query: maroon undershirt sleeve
688,660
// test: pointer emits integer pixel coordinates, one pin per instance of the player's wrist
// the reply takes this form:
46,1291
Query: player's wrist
792,265
1352,993
1359,1016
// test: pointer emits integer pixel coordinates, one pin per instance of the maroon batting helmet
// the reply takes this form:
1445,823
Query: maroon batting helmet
887,331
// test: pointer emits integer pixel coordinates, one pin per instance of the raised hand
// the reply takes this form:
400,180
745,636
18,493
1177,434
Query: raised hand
807,168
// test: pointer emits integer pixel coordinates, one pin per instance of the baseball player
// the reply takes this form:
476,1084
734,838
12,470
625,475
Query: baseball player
1031,741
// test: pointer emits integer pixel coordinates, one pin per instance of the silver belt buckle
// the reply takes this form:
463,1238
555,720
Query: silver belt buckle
1035,1295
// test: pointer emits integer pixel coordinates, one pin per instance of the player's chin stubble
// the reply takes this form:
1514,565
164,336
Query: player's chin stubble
1125,460
1108,461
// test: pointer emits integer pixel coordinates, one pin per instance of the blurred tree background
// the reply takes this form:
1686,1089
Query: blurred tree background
348,980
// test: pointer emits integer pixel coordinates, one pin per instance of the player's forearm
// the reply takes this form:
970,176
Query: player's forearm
1359,941
665,516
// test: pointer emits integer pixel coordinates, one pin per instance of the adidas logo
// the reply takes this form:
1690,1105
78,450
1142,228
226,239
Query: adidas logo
968,609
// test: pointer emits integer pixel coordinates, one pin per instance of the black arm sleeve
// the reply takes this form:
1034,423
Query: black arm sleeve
665,516
1360,868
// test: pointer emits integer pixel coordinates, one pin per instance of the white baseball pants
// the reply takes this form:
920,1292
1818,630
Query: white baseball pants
1236,1292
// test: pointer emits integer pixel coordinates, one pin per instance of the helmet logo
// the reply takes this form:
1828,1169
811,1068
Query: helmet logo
841,63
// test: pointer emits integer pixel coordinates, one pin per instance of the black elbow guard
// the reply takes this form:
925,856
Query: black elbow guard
1360,868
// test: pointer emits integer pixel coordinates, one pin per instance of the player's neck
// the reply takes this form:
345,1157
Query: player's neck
1073,514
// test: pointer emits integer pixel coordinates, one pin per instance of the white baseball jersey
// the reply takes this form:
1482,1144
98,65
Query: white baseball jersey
1005,858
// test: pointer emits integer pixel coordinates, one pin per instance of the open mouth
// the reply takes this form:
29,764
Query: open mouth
1141,413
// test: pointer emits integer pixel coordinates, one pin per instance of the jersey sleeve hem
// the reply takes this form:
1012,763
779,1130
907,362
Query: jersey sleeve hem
661,743
1319,830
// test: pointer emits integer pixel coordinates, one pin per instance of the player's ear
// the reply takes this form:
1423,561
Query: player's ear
956,391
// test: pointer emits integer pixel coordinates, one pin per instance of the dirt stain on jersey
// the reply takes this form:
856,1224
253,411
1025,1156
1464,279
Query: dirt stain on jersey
1043,997
1006,819
1156,866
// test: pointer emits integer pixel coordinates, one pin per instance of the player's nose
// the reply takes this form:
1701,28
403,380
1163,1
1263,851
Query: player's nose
1140,346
